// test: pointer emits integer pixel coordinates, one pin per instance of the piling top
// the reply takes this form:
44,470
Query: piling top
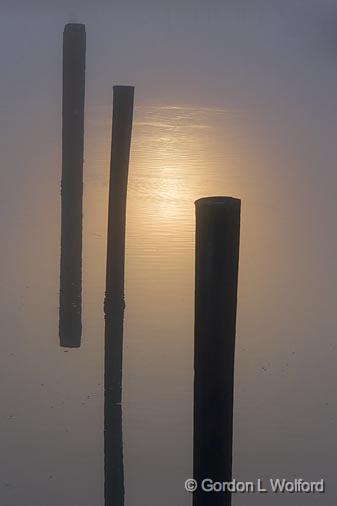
217,201
69,27
123,87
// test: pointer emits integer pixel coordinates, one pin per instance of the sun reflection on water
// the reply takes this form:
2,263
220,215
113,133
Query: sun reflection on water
169,153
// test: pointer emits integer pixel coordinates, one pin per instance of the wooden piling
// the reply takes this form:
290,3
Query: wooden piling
74,48
216,278
114,296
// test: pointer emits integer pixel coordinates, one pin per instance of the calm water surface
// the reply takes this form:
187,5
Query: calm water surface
52,399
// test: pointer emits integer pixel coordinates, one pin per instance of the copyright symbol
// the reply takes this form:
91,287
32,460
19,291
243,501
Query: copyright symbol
191,485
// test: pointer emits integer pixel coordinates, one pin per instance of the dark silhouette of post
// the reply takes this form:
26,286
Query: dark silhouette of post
216,277
114,296
74,47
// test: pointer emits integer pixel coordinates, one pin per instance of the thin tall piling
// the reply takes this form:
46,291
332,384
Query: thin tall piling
216,278
74,48
114,296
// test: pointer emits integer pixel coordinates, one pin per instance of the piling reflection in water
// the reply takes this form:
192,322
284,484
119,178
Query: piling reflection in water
114,296
74,46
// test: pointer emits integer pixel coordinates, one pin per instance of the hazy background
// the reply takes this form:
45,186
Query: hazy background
236,98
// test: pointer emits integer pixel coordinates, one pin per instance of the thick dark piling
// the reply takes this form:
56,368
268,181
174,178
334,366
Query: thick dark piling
114,296
74,47
216,277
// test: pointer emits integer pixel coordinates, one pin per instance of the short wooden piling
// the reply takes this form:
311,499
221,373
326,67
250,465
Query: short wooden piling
216,278
114,296
74,47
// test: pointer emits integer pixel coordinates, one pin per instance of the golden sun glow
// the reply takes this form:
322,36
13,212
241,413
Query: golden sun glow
169,145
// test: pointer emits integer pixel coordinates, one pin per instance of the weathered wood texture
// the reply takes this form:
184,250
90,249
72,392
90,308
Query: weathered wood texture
114,296
74,48
216,278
